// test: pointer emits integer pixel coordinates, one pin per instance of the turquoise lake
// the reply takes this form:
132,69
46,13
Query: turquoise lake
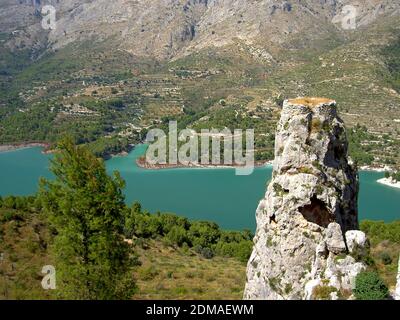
201,194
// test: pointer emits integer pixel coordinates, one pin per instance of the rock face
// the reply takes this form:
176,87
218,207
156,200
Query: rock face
397,294
173,28
307,244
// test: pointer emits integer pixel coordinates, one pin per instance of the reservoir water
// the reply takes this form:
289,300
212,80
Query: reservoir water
201,194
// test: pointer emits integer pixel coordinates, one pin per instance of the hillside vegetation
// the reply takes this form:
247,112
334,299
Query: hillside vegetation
79,223
164,270
108,98
163,256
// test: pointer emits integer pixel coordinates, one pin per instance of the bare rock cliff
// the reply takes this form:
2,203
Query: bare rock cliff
307,242
168,29
397,293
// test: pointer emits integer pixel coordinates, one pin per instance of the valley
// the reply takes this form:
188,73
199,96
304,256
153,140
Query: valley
107,95
83,83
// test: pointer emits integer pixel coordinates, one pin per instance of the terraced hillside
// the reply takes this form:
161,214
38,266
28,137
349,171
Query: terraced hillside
106,89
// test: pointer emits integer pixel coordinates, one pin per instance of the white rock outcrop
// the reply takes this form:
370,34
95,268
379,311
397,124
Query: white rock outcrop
307,245
356,241
397,293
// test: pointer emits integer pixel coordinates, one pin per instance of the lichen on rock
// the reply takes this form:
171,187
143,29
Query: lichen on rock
309,209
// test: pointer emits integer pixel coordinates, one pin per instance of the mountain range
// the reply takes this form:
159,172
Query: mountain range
167,29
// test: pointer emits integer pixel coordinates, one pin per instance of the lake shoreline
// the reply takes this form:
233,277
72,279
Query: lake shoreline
47,149
27,145
389,182
191,193
141,163
375,169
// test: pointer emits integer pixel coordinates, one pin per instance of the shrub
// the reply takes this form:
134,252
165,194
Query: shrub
385,258
378,231
141,243
207,253
244,250
241,250
288,288
317,165
204,233
204,252
7,216
305,170
323,292
142,225
316,125
169,221
148,273
185,247
177,235
9,202
367,259
180,290
274,283
279,190
387,174
369,286
279,100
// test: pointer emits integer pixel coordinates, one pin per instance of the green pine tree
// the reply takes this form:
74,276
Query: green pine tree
86,208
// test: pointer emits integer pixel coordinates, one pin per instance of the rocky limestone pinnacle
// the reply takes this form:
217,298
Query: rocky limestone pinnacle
397,293
307,242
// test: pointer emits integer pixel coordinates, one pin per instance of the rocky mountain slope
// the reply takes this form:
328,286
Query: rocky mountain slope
172,28
307,238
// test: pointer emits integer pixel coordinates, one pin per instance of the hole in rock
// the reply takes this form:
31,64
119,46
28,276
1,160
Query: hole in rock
317,212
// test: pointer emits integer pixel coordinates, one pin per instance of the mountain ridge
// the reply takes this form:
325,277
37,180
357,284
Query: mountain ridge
172,29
